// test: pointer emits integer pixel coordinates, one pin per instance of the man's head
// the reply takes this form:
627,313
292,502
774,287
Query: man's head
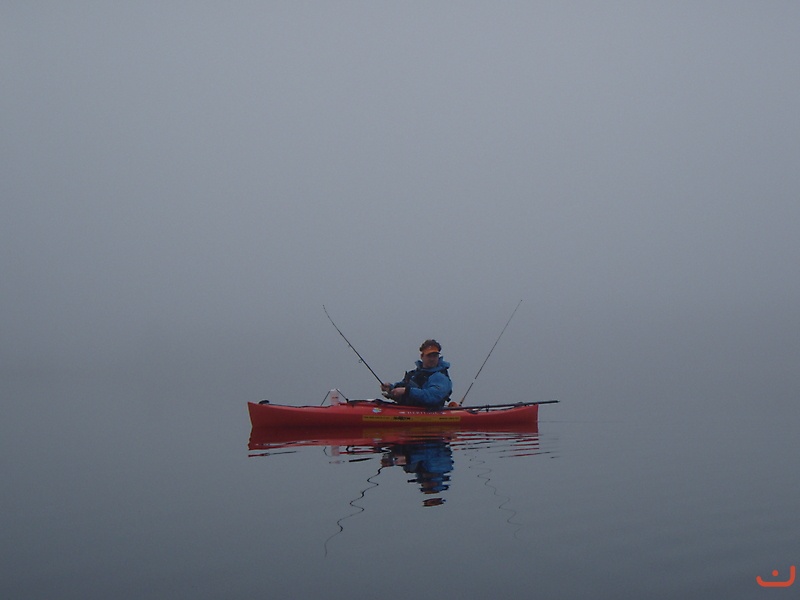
430,351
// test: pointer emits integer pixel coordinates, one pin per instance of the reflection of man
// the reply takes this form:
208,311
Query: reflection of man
428,385
430,461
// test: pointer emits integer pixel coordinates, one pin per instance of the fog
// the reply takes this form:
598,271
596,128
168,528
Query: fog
184,185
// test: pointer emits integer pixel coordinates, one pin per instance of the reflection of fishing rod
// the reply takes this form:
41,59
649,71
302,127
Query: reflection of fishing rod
351,345
505,499
487,356
352,503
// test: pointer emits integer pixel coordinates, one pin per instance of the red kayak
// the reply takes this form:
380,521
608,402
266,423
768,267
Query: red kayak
359,413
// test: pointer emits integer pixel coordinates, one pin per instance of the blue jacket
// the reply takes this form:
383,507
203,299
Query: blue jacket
429,388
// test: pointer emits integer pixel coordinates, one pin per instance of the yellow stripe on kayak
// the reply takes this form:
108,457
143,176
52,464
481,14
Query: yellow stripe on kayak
412,419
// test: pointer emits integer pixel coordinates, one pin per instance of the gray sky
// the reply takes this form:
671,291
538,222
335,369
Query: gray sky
209,174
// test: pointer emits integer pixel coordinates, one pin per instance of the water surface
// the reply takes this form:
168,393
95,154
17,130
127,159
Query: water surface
116,491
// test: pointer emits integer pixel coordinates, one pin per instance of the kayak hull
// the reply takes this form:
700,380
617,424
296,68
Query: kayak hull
360,413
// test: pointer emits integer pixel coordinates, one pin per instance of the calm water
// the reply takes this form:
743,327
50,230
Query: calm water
135,488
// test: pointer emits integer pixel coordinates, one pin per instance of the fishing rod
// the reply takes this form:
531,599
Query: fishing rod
351,345
488,355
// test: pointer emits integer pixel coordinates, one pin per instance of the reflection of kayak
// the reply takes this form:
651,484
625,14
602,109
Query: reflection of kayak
365,436
360,413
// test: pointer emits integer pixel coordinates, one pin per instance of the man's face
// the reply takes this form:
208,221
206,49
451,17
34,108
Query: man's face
430,357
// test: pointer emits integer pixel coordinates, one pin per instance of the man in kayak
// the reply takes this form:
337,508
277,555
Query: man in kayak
428,385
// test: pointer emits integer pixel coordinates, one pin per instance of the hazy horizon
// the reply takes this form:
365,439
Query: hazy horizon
200,182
